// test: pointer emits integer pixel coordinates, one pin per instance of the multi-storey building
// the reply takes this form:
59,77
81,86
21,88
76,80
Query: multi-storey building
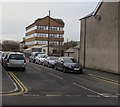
37,32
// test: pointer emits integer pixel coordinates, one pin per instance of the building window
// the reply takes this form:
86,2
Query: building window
44,51
42,27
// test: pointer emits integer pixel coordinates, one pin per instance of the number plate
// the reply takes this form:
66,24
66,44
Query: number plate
76,69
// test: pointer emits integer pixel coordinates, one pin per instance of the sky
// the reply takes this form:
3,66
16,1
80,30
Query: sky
15,16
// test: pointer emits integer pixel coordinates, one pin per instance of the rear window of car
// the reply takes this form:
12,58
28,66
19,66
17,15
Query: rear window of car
16,56
70,60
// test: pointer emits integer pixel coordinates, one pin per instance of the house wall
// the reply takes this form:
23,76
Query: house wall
100,38
69,54
76,54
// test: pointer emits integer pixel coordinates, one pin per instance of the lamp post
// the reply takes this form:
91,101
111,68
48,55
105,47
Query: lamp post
48,32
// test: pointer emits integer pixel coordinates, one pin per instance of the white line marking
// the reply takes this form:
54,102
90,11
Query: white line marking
52,95
34,95
73,95
93,96
101,94
118,94
55,75
108,95
86,88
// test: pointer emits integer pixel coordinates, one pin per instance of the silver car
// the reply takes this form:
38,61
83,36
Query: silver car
50,61
14,60
40,58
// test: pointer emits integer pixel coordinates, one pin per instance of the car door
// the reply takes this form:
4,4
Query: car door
60,63
4,60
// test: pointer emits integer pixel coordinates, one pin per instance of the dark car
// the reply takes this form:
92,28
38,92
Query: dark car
68,64
50,61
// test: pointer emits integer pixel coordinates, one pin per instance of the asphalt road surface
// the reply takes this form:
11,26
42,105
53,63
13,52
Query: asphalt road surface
40,85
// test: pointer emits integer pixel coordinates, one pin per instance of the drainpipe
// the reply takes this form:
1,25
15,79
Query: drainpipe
84,44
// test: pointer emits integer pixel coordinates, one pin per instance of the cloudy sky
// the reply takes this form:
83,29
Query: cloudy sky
17,15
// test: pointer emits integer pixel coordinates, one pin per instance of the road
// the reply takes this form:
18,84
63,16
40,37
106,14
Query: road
40,85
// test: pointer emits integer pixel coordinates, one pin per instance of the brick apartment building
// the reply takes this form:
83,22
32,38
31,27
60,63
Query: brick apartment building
37,34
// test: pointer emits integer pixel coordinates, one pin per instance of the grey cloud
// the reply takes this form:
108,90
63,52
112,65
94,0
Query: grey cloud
16,16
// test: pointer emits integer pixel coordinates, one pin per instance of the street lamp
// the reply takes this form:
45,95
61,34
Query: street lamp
48,32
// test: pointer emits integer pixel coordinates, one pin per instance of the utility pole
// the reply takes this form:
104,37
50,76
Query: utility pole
48,32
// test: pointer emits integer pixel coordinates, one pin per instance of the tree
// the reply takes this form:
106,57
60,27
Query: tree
9,45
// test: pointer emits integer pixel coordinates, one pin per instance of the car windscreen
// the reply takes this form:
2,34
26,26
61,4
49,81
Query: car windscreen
43,56
36,54
70,60
16,57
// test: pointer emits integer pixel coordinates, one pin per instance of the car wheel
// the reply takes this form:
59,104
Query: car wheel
33,61
6,68
23,69
81,72
55,67
64,69
48,65
43,64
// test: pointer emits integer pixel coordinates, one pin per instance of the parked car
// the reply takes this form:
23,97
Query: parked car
68,64
33,56
14,60
3,55
50,61
40,58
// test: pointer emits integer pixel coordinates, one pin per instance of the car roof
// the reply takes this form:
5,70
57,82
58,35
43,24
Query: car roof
66,57
52,56
42,54
15,53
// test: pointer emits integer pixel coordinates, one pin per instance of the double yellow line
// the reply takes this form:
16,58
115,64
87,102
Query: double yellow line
105,79
21,90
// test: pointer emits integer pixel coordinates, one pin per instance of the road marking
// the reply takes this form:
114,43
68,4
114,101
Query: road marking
49,95
105,79
118,94
16,88
28,95
108,95
19,83
25,88
93,96
73,95
55,75
101,94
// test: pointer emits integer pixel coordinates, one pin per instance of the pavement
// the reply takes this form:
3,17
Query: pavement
6,81
102,74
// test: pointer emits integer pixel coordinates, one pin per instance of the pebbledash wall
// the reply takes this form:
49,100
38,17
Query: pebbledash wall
99,38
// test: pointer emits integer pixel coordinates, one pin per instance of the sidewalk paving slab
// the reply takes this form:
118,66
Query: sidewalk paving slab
7,83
